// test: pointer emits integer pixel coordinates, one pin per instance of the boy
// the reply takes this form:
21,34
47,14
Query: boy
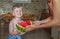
13,32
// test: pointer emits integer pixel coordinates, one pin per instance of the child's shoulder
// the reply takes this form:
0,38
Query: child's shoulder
12,21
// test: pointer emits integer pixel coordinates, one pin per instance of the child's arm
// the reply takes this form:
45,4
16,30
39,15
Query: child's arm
11,29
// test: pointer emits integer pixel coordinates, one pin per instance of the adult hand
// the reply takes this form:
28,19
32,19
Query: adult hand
35,23
30,28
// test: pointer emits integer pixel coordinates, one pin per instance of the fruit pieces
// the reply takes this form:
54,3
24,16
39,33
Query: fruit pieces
20,28
28,22
22,25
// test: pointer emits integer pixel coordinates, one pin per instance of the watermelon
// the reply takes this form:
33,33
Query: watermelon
28,22
19,27
22,25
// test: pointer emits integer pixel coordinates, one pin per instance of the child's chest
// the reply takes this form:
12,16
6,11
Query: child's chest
16,22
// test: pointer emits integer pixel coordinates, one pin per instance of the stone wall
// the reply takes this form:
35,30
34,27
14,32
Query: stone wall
35,7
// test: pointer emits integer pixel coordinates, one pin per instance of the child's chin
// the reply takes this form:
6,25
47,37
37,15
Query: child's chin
19,16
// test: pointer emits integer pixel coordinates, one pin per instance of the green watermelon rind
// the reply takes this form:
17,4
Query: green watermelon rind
20,28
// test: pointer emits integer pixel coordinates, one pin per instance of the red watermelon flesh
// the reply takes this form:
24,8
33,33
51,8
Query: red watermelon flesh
28,22
23,24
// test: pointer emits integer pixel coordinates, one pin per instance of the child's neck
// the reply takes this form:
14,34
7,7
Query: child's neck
18,18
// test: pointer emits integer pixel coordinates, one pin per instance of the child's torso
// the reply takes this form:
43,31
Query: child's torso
15,22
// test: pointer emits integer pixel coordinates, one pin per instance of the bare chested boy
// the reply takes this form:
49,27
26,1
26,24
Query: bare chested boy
17,13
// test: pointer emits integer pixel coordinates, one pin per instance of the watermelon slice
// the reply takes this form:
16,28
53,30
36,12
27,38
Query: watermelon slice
22,25
20,28
28,22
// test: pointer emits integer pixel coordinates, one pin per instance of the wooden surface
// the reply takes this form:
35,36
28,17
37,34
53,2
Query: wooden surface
24,17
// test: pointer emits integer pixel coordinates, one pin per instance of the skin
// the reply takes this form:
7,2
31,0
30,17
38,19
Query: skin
56,15
55,7
17,12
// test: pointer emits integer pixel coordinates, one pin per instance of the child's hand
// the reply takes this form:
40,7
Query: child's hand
18,31
14,33
21,33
